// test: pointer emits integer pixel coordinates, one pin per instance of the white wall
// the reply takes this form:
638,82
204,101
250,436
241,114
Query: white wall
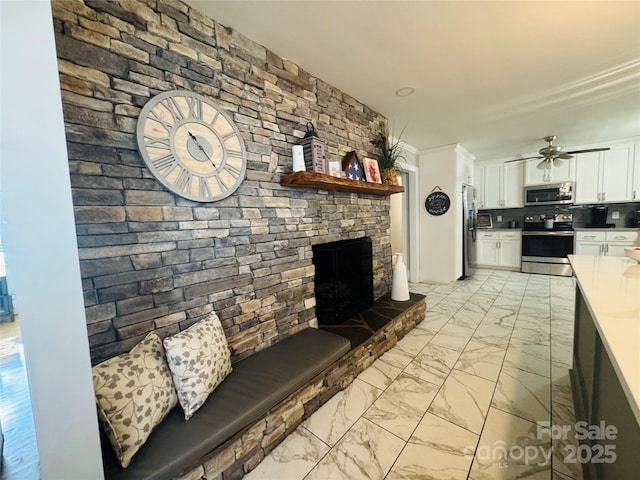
446,167
38,231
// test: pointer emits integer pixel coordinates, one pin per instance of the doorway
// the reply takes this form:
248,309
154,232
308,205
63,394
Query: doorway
18,439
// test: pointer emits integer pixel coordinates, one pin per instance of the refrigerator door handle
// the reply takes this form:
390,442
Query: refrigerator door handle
474,221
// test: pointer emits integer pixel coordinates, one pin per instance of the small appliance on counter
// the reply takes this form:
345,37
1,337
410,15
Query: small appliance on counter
635,221
485,220
599,218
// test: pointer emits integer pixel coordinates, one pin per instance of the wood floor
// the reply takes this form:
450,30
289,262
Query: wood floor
20,455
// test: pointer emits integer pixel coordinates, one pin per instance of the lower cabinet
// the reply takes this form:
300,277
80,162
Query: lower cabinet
499,248
609,243
601,404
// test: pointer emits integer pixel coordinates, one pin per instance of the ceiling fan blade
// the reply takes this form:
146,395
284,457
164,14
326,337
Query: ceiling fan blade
522,159
590,150
564,156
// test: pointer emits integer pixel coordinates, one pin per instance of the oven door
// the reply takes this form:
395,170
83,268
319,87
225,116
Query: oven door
547,247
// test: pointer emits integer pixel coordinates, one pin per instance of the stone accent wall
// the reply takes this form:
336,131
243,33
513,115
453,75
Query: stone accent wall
151,260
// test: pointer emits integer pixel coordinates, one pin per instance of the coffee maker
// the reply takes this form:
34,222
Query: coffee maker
599,217
635,220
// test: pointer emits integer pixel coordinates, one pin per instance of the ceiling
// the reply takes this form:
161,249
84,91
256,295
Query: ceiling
495,77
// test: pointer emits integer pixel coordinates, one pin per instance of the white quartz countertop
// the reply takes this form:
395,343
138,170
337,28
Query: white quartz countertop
611,289
614,229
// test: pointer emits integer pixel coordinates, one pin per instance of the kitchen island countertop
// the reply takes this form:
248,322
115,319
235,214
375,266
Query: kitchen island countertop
611,289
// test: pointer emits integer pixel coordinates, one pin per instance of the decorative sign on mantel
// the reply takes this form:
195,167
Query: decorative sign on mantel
437,202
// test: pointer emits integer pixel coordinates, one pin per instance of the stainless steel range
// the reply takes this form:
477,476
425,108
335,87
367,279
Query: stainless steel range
547,240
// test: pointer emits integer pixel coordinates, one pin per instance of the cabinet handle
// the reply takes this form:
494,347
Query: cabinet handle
599,197
586,237
634,195
606,248
619,237
603,195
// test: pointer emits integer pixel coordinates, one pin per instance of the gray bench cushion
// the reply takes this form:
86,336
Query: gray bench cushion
255,385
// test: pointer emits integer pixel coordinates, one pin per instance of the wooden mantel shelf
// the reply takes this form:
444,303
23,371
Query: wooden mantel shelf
327,182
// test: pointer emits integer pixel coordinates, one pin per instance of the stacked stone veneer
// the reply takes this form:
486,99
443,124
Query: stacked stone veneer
152,261
243,452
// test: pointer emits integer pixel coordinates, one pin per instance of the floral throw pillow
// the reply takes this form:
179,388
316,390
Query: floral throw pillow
134,393
199,360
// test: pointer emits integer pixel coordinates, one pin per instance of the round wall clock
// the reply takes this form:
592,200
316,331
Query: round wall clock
191,146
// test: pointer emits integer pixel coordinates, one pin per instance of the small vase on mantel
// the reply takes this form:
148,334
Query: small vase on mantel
400,283
390,176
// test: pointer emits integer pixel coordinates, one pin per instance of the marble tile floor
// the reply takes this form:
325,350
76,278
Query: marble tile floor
466,395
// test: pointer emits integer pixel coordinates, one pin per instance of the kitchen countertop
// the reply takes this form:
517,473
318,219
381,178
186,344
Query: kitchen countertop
611,289
614,229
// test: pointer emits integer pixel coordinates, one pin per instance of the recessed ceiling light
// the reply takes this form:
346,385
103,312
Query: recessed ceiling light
405,91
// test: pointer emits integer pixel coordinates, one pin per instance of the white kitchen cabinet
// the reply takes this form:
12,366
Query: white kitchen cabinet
562,171
499,249
500,185
608,243
607,176
635,189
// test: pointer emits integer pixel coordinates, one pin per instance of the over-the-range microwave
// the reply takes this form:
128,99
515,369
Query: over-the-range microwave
551,194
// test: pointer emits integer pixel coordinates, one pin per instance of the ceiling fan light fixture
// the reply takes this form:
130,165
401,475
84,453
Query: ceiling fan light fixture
544,165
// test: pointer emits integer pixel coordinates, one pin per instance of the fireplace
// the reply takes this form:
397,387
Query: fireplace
344,279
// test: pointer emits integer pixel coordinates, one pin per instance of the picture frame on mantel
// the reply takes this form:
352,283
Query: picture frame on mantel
372,170
334,169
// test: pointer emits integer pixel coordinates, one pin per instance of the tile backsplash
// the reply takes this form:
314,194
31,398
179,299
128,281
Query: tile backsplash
581,214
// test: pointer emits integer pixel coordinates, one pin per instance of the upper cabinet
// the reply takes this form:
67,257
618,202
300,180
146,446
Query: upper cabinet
562,171
499,185
607,176
635,193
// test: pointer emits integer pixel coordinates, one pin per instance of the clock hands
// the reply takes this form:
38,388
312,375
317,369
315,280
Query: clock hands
193,137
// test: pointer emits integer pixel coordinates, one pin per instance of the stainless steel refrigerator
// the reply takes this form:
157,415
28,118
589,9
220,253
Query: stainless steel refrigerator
469,228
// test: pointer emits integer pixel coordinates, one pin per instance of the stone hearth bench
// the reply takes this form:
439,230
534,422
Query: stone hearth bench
256,385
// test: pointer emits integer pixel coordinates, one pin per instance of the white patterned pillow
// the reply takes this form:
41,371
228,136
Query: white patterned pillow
199,360
134,393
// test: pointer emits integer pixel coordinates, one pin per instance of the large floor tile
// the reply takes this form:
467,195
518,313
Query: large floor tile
463,400
481,360
293,458
336,416
504,316
509,448
437,450
490,334
382,372
453,337
366,452
529,358
524,394
433,364
565,446
414,341
401,407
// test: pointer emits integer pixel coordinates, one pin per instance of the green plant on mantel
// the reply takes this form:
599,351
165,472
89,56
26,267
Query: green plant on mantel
387,152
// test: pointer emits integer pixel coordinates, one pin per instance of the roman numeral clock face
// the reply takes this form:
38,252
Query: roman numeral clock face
192,146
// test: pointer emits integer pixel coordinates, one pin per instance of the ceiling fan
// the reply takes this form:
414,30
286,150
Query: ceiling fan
552,152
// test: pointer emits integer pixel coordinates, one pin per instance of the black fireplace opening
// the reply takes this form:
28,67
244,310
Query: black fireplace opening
343,279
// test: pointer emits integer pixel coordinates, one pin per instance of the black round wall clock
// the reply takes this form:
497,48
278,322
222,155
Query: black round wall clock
437,203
